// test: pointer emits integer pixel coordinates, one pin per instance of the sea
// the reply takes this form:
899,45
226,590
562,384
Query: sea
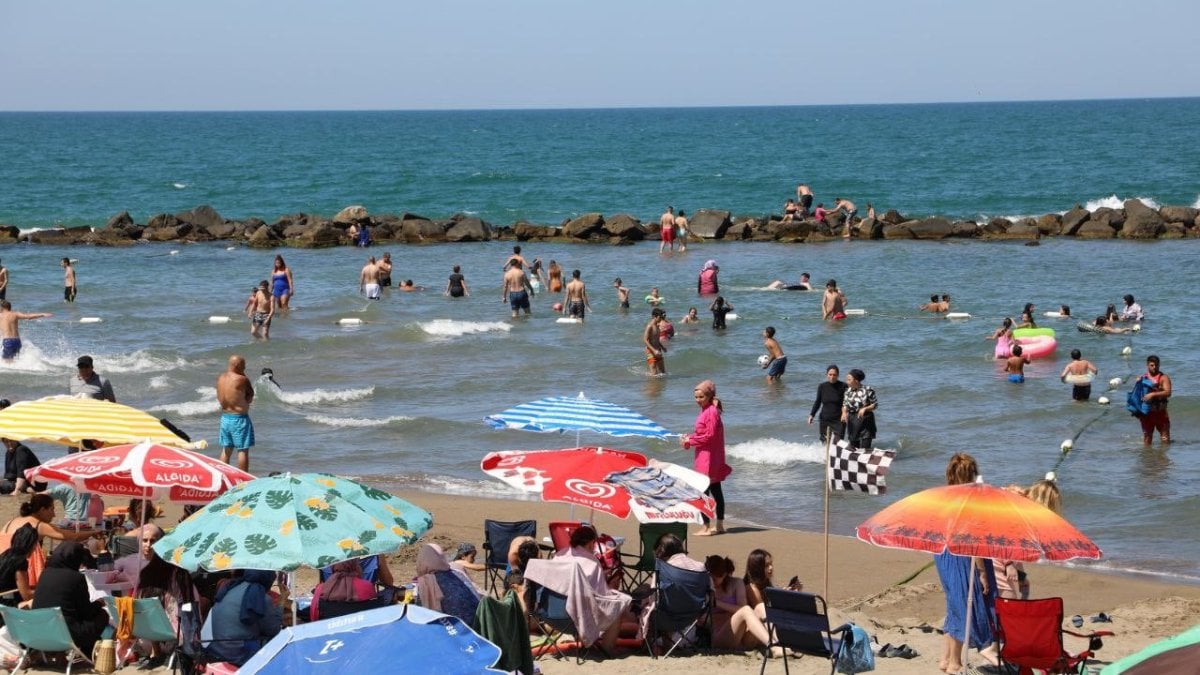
399,400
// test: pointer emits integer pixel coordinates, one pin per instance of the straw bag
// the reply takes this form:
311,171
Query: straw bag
104,657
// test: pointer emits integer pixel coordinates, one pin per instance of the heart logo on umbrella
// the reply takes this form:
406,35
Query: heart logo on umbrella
589,489
171,463
95,458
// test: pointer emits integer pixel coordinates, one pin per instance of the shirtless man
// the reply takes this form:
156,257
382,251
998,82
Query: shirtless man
804,195
3,282
261,309
515,257
1079,367
385,271
622,294
666,230
1015,365
235,395
575,298
945,303
833,304
655,351
516,289
68,280
778,363
847,207
10,334
368,279
681,226
934,305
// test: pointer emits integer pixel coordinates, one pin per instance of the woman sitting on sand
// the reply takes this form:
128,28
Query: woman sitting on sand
759,569
734,623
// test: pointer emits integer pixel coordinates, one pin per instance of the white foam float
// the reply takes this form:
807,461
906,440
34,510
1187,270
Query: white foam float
1052,315
90,319
1114,383
855,312
958,315
731,316
175,252
1126,351
568,319
1137,327
230,248
1103,400
218,319
350,321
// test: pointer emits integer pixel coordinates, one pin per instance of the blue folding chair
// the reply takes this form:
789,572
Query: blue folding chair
43,630
150,622
497,536
556,624
683,600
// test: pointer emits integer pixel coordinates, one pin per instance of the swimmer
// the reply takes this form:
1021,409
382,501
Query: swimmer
945,303
692,316
656,353
666,231
804,285
1131,311
1027,317
654,299
1102,325
934,305
1015,365
515,257
575,298
622,294
833,304
790,209
408,287
665,330
10,333
1064,311
261,309
719,309
270,375
1079,366
385,271
368,279
516,288
282,286
681,227
778,363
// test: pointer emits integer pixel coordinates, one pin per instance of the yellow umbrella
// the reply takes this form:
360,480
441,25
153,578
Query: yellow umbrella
68,420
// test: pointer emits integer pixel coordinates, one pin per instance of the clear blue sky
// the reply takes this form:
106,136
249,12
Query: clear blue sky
406,54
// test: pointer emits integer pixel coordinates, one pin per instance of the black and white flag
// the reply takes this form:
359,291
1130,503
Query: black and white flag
864,470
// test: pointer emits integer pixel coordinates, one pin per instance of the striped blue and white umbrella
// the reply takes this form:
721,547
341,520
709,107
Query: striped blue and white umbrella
577,413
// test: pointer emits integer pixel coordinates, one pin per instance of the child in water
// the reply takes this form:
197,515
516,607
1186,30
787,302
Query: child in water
719,309
1015,365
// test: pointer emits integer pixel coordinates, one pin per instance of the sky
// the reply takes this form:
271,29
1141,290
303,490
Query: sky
79,55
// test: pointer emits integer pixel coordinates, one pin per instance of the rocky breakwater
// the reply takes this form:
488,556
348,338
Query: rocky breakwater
1134,220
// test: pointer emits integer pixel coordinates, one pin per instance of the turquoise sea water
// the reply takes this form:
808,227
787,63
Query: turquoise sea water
400,399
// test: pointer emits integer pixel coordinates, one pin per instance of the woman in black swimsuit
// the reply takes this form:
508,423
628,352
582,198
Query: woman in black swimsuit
456,287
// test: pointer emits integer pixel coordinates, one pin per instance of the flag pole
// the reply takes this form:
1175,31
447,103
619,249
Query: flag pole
828,442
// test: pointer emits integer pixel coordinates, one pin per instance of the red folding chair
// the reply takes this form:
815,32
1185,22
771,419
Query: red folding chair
561,531
1031,636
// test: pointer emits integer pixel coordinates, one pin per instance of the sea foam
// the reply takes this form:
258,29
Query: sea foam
775,452
453,328
205,406
317,395
1115,202
355,422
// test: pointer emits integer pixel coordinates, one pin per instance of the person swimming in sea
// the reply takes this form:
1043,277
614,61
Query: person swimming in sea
780,285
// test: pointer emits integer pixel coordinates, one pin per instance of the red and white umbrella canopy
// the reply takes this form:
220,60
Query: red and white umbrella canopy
577,476
147,470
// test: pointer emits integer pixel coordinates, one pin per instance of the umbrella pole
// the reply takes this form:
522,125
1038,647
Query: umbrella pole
966,650
828,443
141,561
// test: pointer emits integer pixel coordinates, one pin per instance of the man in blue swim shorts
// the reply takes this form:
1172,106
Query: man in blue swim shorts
1015,365
516,287
235,394
10,333
778,363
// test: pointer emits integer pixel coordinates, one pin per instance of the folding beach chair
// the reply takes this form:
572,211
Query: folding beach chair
150,622
800,622
640,567
683,600
561,531
497,536
43,630
329,609
556,624
1031,636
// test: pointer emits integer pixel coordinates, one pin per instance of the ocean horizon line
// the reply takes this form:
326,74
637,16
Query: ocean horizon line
573,108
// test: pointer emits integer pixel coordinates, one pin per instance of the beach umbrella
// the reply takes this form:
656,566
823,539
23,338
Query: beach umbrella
145,470
70,420
289,521
578,413
669,492
980,521
399,638
1178,655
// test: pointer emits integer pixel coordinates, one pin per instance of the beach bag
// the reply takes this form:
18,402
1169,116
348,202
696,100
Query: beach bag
855,654
104,657
1135,402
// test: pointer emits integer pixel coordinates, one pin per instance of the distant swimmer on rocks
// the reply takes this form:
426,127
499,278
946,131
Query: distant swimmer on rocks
456,286
681,230
833,303
10,333
69,285
1015,365
260,309
804,196
622,294
847,207
1079,373
235,394
385,271
790,209
780,285
516,288
368,279
282,285
656,353
666,231
778,363
575,298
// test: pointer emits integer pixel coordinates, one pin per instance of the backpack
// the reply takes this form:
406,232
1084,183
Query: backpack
855,655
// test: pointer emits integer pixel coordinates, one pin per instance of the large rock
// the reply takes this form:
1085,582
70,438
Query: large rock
1025,229
469,229
1049,224
221,230
792,230
1095,230
120,221
201,216
168,232
893,217
1073,219
871,228
351,214
709,223
60,237
1141,221
323,234
1114,218
110,237
965,229
524,231
743,229
996,226
9,234
625,226
1179,214
418,229
899,230
584,226
1173,231
163,220
931,228
263,237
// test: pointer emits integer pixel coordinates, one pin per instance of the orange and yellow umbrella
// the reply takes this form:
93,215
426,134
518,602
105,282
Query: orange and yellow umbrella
977,520
69,420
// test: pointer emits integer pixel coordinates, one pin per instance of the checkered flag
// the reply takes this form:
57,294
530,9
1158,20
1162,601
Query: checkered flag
864,470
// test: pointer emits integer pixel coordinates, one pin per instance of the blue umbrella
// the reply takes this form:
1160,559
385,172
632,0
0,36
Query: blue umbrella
398,638
566,413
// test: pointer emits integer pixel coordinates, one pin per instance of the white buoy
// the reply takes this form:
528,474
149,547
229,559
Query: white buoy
1114,383
350,321
1052,315
958,315
1103,400
230,248
1067,445
1137,327
218,319
568,319
855,312
731,316
175,252
1127,351
1051,476
90,319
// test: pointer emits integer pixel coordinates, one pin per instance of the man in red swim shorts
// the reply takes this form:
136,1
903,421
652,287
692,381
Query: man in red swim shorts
833,305
667,230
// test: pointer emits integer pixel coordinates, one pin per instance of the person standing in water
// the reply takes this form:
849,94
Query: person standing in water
554,277
261,309
385,271
3,282
830,395
456,286
575,299
1078,372
666,231
235,394
1158,397
516,288
282,285
69,287
10,333
656,353
719,309
833,304
368,279
681,227
622,294
778,363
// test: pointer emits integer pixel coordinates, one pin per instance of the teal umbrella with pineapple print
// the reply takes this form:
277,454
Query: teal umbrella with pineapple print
289,521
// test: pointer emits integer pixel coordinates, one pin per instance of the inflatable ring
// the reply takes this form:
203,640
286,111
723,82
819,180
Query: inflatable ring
1037,346
1033,332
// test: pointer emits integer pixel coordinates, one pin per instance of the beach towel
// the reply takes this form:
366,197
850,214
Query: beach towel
124,618
592,611
654,488
1135,402
502,623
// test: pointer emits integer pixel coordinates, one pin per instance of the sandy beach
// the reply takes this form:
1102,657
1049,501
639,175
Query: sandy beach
863,588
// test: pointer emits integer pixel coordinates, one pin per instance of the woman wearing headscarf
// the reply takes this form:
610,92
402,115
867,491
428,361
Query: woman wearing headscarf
708,439
243,618
707,283
63,586
345,584
442,589
14,568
